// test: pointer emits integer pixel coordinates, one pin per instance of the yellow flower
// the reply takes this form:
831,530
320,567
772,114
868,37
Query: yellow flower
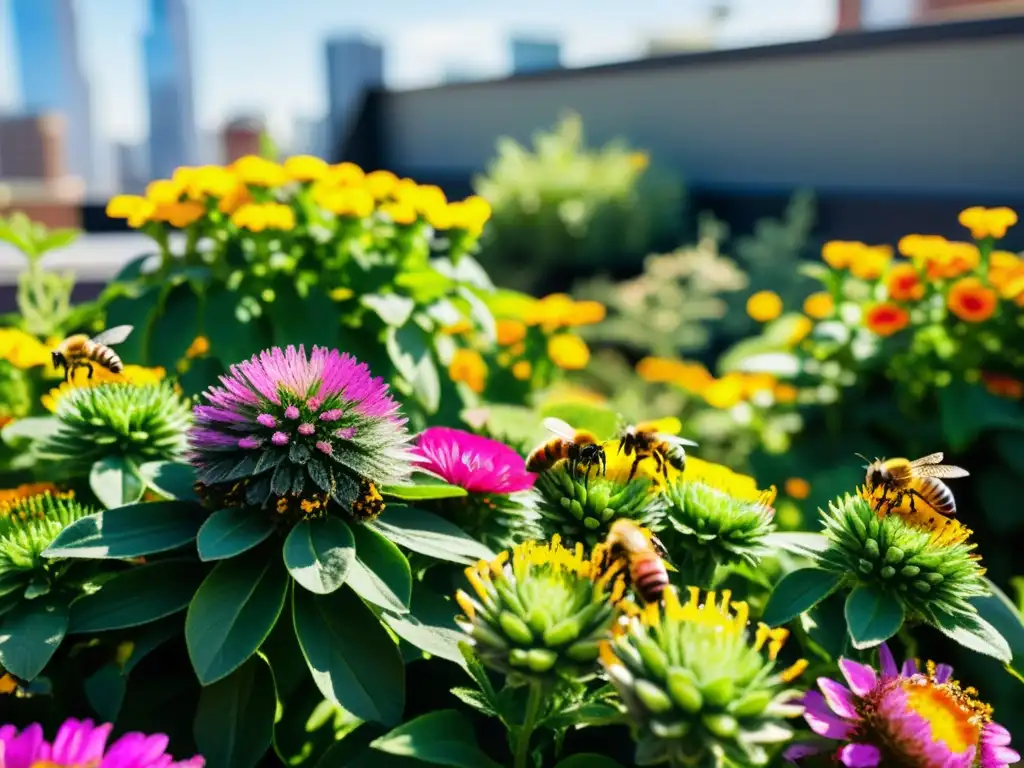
469,367
586,313
179,214
344,174
341,294
764,306
380,184
720,477
568,351
458,327
406,191
756,382
819,305
797,488
279,216
551,312
870,261
510,332
234,198
801,327
522,370
988,222
22,350
200,346
785,393
886,318
471,214
429,196
10,496
305,168
137,210
134,374
439,216
904,284
259,172
251,216
400,213
353,202
839,253
164,191
726,392
210,181
972,301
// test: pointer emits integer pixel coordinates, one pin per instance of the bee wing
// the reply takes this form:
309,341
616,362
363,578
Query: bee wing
670,425
114,335
931,458
940,470
677,440
559,427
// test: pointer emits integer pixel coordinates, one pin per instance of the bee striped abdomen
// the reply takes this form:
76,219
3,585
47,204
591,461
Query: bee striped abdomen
649,578
937,494
108,358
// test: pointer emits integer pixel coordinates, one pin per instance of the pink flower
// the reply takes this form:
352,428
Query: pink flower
478,464
904,717
81,744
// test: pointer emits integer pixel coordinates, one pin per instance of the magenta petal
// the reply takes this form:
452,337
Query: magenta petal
800,751
943,672
860,756
860,677
996,735
909,668
839,698
821,719
997,757
888,663
26,748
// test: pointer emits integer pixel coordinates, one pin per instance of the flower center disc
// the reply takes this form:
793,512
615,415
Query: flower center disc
950,721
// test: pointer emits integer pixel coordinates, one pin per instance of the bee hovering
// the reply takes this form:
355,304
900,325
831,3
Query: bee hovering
79,351
917,479
644,556
578,447
658,440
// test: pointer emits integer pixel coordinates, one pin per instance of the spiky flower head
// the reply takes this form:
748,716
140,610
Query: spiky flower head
139,423
903,716
716,517
929,566
698,689
81,743
540,612
580,506
27,527
497,509
296,433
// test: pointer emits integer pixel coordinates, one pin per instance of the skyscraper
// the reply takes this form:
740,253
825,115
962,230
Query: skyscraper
534,54
355,65
168,58
50,75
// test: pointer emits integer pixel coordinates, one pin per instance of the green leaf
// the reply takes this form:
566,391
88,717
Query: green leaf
202,374
310,320
233,612
229,532
999,611
171,479
390,307
424,487
966,410
148,638
319,554
429,534
409,348
977,634
588,760
29,635
353,660
481,315
32,429
115,482
234,722
57,238
441,738
429,625
872,616
174,328
142,594
799,591
234,333
105,691
131,531
380,574
138,312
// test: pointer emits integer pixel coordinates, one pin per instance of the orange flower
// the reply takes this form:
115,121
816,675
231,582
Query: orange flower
1006,273
839,253
819,305
797,488
904,284
200,346
13,495
1002,385
764,306
510,332
568,351
587,313
785,393
886,318
972,301
468,366
871,261
757,382
948,260
987,222
522,370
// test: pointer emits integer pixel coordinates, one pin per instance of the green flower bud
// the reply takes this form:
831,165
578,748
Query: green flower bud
715,694
539,612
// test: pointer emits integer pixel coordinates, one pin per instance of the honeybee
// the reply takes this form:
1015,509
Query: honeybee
79,351
577,447
643,554
917,479
658,440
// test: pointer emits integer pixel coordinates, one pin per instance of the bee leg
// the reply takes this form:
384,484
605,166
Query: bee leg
89,367
636,463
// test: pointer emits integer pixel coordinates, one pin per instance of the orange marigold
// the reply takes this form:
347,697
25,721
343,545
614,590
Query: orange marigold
971,300
511,332
1001,385
886,318
819,305
468,366
522,370
904,284
764,306
839,253
785,393
797,488
988,222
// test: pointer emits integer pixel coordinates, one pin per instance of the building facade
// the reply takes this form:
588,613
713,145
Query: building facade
355,65
532,54
168,68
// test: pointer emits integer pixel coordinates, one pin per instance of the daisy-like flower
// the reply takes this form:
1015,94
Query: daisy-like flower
82,744
293,432
497,509
904,717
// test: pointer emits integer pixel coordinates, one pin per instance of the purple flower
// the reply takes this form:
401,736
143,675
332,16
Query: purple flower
478,464
904,716
276,426
81,744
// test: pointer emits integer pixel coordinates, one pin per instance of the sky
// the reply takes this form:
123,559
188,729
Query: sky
266,56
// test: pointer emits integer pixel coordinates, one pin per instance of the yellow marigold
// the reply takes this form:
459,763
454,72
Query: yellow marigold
400,213
802,326
200,346
971,300
522,370
1006,273
471,214
726,392
658,370
251,216
764,306
587,313
785,393
458,327
904,284
839,253
257,171
179,214
870,261
22,350
469,367
942,259
988,222
279,216
511,332
134,374
210,181
406,191
797,488
428,197
757,382
234,198
819,305
344,174
439,216
8,496
551,312
886,318
137,210
380,184
305,168
568,351
164,191
353,202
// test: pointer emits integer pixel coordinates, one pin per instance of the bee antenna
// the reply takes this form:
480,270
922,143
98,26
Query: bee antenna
861,456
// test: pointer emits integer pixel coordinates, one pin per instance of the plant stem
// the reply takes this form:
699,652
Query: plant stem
533,709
